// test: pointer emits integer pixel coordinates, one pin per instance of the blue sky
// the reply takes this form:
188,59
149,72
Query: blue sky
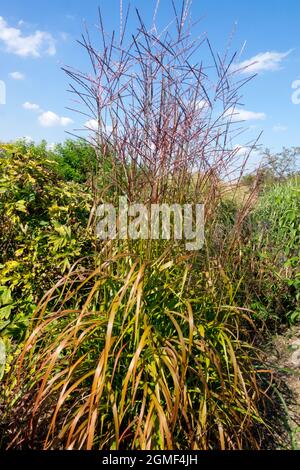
38,37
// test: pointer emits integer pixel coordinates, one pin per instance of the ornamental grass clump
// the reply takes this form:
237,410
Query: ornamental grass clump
147,348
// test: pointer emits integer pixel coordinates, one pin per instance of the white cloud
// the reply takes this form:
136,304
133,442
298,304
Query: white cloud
92,124
17,75
202,104
244,151
47,118
50,119
31,106
34,45
244,115
240,150
279,128
262,62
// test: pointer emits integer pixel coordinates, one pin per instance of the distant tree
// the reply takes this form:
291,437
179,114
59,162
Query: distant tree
275,167
76,160
282,164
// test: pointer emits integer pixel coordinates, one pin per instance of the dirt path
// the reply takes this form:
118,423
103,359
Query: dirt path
284,359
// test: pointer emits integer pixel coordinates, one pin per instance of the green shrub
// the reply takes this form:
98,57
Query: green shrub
43,231
76,160
273,253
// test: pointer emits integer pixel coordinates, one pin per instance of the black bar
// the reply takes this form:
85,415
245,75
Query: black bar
148,459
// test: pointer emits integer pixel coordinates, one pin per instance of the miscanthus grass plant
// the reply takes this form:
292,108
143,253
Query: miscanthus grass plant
147,349
137,355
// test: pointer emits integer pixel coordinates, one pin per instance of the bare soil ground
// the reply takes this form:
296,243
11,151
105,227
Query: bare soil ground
283,357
